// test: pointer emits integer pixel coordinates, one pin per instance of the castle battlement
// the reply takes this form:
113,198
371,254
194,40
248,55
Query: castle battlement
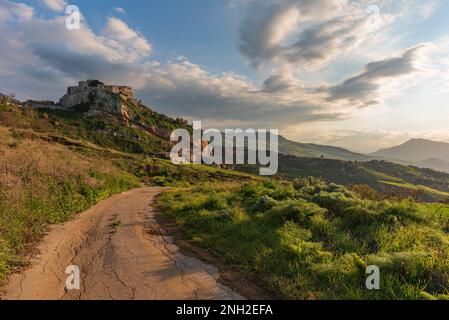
95,85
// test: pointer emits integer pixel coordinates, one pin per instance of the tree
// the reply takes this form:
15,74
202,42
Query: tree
364,191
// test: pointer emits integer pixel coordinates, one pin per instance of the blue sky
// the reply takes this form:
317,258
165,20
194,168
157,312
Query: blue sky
203,30
354,73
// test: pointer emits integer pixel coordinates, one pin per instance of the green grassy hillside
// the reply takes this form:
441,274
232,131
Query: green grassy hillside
385,177
310,240
104,130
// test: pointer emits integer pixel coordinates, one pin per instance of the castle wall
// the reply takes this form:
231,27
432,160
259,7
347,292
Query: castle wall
98,96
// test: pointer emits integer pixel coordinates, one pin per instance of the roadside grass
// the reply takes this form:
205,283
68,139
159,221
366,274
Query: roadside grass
43,183
161,172
310,240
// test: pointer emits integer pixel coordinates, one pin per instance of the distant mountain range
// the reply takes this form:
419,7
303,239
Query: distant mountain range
419,152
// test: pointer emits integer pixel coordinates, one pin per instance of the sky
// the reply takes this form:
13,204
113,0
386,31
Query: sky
358,74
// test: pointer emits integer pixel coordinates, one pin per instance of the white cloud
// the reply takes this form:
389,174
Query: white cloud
55,5
15,11
121,36
34,49
187,89
306,34
120,10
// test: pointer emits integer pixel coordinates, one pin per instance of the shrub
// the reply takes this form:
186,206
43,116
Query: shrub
336,188
298,211
364,191
358,215
251,191
310,185
334,202
264,203
403,212
215,202
282,192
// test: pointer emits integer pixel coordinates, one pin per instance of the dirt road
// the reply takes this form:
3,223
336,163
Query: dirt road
121,254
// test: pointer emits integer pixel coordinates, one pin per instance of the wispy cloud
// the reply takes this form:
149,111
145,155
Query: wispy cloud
364,89
120,10
55,5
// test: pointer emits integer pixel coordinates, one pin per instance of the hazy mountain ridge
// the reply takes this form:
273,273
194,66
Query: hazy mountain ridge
419,152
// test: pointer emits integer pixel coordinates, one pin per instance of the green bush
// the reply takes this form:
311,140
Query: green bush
358,215
263,204
215,202
298,211
336,203
404,212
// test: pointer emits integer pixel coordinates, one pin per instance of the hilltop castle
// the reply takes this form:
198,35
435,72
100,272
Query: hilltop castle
92,96
95,85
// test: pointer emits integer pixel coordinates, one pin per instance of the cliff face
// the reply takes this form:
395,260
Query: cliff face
93,96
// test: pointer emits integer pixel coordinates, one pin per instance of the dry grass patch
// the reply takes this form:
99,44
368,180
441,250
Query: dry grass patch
43,183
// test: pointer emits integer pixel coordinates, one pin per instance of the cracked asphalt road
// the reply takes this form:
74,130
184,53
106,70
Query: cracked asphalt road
122,254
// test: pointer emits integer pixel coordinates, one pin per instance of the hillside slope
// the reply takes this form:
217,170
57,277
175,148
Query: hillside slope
434,163
309,150
385,177
309,240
